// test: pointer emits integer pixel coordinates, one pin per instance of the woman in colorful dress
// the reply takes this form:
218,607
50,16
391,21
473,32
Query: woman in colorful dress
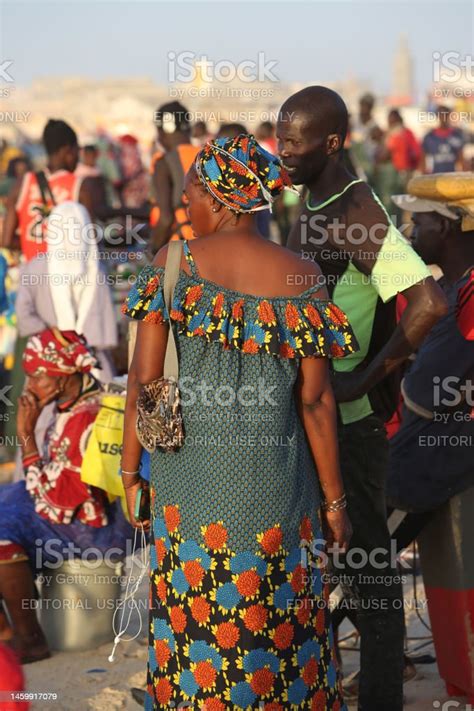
52,514
238,613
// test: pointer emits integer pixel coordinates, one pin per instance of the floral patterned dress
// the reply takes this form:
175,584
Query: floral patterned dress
238,614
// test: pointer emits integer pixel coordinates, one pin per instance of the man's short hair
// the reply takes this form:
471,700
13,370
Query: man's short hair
175,112
57,134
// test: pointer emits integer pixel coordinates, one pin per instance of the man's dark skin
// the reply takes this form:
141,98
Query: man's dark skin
161,232
440,240
310,143
91,195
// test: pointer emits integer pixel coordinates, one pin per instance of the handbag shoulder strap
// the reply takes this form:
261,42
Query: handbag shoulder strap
173,261
44,187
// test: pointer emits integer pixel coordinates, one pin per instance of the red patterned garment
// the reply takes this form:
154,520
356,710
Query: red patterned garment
54,481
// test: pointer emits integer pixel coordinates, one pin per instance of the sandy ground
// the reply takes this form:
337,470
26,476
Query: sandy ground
87,681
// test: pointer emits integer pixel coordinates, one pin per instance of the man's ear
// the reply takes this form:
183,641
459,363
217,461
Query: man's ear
333,143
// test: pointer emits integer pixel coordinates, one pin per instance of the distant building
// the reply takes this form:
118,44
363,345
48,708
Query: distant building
403,75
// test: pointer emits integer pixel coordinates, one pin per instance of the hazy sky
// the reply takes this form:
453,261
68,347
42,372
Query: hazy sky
311,41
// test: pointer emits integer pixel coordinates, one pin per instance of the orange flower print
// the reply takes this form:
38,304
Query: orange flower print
237,310
338,316
292,316
273,706
200,609
318,702
193,294
213,704
283,635
271,540
310,672
248,583
163,690
255,618
152,286
215,536
176,315
227,635
303,613
262,681
250,346
161,588
160,550
178,618
172,518
306,529
320,623
193,572
286,351
298,579
218,304
162,652
266,313
313,315
205,675
336,350
154,317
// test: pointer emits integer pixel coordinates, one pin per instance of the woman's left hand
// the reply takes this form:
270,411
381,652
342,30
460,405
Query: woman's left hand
131,495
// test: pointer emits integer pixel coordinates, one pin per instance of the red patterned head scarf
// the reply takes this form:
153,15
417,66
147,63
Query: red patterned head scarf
56,352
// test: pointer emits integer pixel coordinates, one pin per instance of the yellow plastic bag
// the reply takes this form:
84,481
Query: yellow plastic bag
101,462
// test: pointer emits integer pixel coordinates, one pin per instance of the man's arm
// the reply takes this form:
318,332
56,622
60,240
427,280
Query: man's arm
161,232
426,304
8,237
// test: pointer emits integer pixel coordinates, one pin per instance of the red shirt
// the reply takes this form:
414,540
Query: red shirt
404,149
30,207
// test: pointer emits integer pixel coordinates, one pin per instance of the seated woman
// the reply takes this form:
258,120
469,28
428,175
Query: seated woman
52,514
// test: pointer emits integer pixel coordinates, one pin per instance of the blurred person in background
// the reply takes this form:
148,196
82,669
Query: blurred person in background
397,154
442,147
87,166
199,134
363,144
265,135
134,186
32,198
69,288
169,219
403,148
231,130
52,504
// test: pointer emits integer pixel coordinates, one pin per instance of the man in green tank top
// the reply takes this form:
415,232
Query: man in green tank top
366,262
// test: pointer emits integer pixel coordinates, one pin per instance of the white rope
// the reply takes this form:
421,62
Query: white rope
130,593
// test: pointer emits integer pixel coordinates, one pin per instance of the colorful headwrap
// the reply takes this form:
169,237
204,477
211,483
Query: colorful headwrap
240,174
57,352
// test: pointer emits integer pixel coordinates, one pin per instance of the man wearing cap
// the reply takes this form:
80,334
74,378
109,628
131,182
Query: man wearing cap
431,455
168,218
366,262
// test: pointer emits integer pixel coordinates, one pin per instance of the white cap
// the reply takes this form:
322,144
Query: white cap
410,203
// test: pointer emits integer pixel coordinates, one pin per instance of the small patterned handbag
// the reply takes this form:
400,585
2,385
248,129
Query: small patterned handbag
159,420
